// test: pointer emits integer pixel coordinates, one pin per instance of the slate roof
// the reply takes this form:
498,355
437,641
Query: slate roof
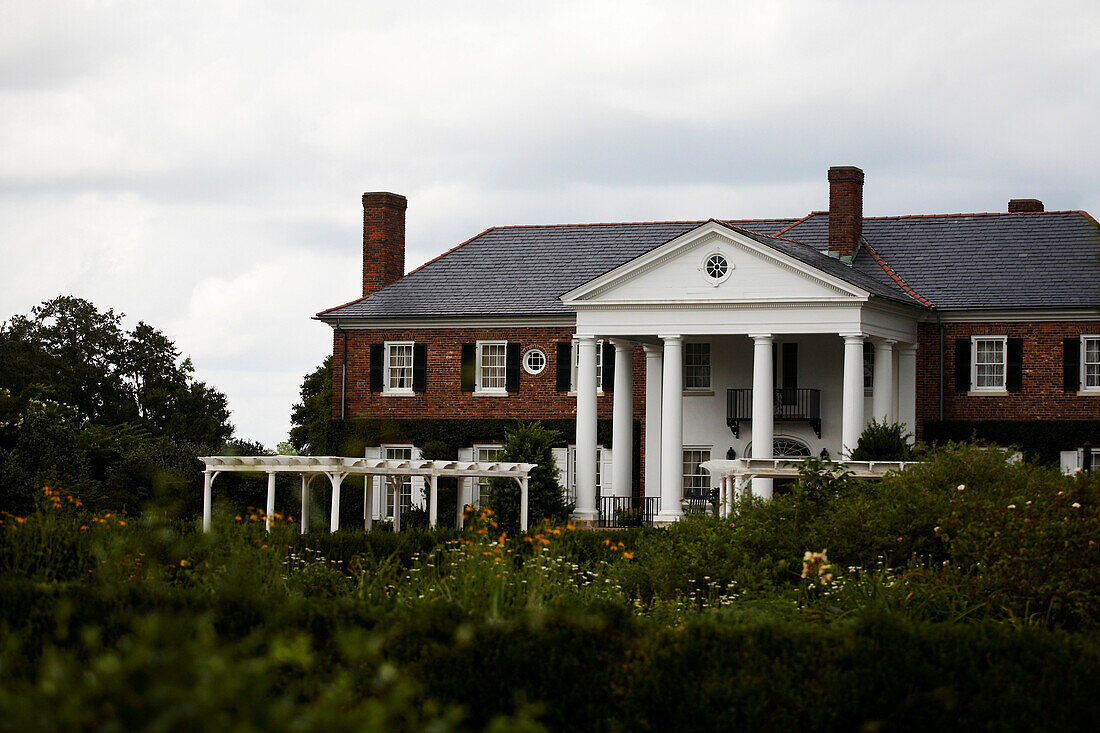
952,261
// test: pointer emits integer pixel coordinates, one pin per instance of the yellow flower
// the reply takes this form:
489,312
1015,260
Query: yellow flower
628,555
497,559
183,563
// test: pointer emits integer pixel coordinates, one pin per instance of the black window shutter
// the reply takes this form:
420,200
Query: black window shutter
420,367
469,367
376,351
511,365
565,365
1014,368
1071,349
962,365
608,375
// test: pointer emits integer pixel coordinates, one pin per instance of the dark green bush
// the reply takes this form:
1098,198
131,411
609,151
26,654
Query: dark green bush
882,441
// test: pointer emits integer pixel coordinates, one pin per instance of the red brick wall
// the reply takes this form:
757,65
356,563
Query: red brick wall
537,398
1042,397
845,209
383,240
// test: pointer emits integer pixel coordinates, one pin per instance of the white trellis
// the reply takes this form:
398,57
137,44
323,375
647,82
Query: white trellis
735,475
337,468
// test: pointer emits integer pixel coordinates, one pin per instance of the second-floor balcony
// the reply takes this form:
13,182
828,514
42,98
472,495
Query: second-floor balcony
790,405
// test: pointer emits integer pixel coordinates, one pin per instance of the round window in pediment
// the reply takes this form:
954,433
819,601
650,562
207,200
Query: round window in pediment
716,267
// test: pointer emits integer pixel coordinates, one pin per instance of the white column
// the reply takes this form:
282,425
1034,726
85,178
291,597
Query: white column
270,501
622,424
586,429
306,479
368,502
907,387
433,501
653,382
882,395
852,411
334,510
524,499
207,486
763,409
672,430
462,492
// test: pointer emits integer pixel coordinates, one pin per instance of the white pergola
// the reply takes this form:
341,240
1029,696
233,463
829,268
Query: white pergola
337,468
735,476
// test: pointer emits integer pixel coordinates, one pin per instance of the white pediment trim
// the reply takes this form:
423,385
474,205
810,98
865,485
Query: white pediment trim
702,236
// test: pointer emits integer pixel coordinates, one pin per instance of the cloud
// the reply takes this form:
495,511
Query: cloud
199,164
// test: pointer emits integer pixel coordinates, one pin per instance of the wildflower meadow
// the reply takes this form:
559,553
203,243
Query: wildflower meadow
963,593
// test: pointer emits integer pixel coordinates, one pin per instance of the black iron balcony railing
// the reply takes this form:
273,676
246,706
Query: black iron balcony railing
627,511
795,405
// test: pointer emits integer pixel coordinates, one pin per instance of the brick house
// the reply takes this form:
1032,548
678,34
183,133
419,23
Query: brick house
644,343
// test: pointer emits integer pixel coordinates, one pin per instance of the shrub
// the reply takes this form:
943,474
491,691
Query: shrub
529,443
882,441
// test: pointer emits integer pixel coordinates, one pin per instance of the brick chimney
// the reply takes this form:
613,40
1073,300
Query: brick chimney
845,210
383,240
1020,206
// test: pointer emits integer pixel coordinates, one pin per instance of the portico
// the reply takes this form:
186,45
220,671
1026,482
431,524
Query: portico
725,318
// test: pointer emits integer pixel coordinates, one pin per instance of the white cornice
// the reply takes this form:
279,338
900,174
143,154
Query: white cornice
985,315
705,305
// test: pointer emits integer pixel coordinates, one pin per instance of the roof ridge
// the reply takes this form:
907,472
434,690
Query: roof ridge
895,277
976,213
792,226
596,224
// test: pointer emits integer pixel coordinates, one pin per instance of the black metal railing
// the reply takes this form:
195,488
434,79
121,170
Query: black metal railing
627,511
795,405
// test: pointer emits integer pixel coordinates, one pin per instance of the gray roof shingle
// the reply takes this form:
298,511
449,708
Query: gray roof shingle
955,261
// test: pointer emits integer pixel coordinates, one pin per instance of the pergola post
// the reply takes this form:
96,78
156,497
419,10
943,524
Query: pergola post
433,496
334,510
207,485
368,502
395,484
306,480
524,498
270,501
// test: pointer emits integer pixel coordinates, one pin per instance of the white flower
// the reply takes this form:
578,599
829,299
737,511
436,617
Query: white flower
936,530
1011,506
962,486
1075,505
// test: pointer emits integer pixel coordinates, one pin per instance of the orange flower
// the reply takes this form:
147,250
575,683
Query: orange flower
21,520
121,523
628,555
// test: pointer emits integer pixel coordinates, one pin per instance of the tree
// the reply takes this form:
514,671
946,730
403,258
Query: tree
109,413
69,351
529,443
310,417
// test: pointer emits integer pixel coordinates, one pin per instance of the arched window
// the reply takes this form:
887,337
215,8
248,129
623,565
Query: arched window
783,447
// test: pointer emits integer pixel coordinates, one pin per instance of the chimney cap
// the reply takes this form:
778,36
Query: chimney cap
845,173
395,198
1020,206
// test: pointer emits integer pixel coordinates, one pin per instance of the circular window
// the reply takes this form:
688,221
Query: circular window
534,361
716,267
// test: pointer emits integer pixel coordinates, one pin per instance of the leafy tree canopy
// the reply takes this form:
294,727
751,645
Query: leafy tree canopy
309,418
70,351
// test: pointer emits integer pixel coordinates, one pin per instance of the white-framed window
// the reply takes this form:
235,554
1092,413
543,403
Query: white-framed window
696,478
696,366
397,453
571,490
868,366
492,366
398,367
482,492
577,363
989,363
1090,363
534,361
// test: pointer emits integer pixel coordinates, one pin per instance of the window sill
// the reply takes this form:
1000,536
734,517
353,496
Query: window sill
987,392
573,393
1089,393
698,393
484,393
410,393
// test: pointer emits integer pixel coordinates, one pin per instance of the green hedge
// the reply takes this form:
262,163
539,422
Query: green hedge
1040,440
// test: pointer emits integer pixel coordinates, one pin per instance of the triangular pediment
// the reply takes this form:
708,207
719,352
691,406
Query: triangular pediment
713,264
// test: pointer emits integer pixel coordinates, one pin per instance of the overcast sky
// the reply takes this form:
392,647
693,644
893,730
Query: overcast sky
199,165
